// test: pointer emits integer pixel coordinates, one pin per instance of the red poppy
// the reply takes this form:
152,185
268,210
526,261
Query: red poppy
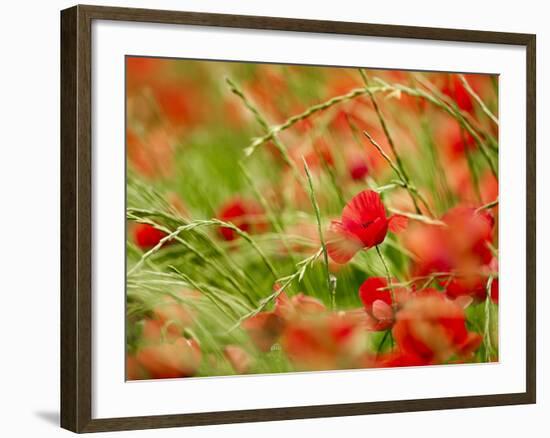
363,225
147,236
170,359
330,341
264,329
457,92
433,329
378,302
399,359
298,305
474,286
358,168
245,214
461,244
181,102
494,291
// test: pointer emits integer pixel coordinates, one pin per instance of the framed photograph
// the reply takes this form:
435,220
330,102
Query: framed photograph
269,218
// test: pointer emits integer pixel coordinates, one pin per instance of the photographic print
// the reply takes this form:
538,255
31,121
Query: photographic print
288,218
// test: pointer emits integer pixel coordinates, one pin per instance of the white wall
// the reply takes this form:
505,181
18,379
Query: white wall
29,215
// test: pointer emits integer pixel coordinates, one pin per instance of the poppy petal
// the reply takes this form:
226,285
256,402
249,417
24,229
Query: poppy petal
341,245
363,208
464,301
382,311
398,223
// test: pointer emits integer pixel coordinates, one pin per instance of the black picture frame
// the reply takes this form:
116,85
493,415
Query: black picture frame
76,217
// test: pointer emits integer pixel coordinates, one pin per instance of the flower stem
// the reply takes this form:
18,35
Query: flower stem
331,289
388,275
476,97
382,342
307,113
413,192
265,125
384,125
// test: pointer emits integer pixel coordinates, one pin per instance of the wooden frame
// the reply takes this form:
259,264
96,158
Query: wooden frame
76,238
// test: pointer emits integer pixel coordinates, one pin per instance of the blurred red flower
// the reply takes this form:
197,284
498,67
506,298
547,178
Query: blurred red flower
147,236
264,329
379,305
399,359
494,291
358,168
331,341
245,214
461,244
363,225
298,305
433,329
474,286
457,92
170,359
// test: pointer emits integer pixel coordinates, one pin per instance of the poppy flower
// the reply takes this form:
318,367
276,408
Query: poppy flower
494,291
245,214
147,236
358,169
180,358
364,224
399,359
378,302
180,102
330,341
460,245
457,92
264,329
433,329
298,305
474,286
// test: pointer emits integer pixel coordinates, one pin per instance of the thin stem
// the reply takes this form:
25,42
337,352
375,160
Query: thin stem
418,217
451,111
307,113
439,170
388,275
320,230
471,166
139,215
382,341
476,97
413,280
413,192
203,290
488,206
286,281
265,125
194,250
384,125
251,241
